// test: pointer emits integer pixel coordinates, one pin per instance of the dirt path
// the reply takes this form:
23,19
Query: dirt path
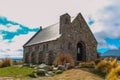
75,74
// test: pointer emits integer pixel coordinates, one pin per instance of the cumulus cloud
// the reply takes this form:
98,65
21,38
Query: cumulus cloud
14,49
107,25
12,37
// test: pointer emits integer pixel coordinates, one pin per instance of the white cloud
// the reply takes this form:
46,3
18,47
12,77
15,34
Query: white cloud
12,49
113,47
107,24
34,13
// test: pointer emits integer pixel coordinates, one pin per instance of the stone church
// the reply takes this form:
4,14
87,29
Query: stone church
70,35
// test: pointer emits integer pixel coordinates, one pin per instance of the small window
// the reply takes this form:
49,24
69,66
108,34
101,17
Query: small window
45,47
69,45
36,47
30,49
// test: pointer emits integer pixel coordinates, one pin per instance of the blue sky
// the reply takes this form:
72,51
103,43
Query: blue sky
20,20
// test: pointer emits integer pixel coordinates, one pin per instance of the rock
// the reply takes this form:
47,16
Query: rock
68,66
25,64
44,66
77,67
47,75
51,73
55,68
33,75
41,72
32,66
58,71
61,67
35,68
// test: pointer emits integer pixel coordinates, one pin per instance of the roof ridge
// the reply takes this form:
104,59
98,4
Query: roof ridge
51,25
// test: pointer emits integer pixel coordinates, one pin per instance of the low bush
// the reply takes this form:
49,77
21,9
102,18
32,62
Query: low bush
62,59
103,66
6,62
110,67
97,61
90,64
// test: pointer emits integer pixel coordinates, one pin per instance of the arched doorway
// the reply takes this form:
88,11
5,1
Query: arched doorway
81,53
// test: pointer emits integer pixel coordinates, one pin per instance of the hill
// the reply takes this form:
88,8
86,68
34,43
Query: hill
112,53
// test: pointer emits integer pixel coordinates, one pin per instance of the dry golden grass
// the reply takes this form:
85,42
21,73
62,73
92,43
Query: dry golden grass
106,65
110,67
6,62
87,64
114,73
62,59
103,66
74,74
114,63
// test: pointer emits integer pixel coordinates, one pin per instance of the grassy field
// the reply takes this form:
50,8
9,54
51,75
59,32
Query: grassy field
15,71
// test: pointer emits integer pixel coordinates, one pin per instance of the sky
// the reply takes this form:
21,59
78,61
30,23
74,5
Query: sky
21,19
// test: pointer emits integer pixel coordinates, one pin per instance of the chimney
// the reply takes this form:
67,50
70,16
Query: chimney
40,27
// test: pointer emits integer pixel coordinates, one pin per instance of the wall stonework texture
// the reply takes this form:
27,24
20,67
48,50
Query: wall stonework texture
72,34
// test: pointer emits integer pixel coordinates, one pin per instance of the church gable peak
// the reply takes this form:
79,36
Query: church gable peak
77,18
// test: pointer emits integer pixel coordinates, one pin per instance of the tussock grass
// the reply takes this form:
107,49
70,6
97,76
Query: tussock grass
110,67
6,62
62,59
90,64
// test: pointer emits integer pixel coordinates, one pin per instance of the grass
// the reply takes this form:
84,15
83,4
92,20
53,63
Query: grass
74,74
15,71
94,71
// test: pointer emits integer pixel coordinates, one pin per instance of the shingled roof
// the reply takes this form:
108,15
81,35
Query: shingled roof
47,34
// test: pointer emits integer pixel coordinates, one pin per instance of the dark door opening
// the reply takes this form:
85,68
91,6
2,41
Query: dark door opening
80,51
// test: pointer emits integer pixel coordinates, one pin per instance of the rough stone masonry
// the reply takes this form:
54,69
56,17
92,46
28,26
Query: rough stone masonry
71,36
